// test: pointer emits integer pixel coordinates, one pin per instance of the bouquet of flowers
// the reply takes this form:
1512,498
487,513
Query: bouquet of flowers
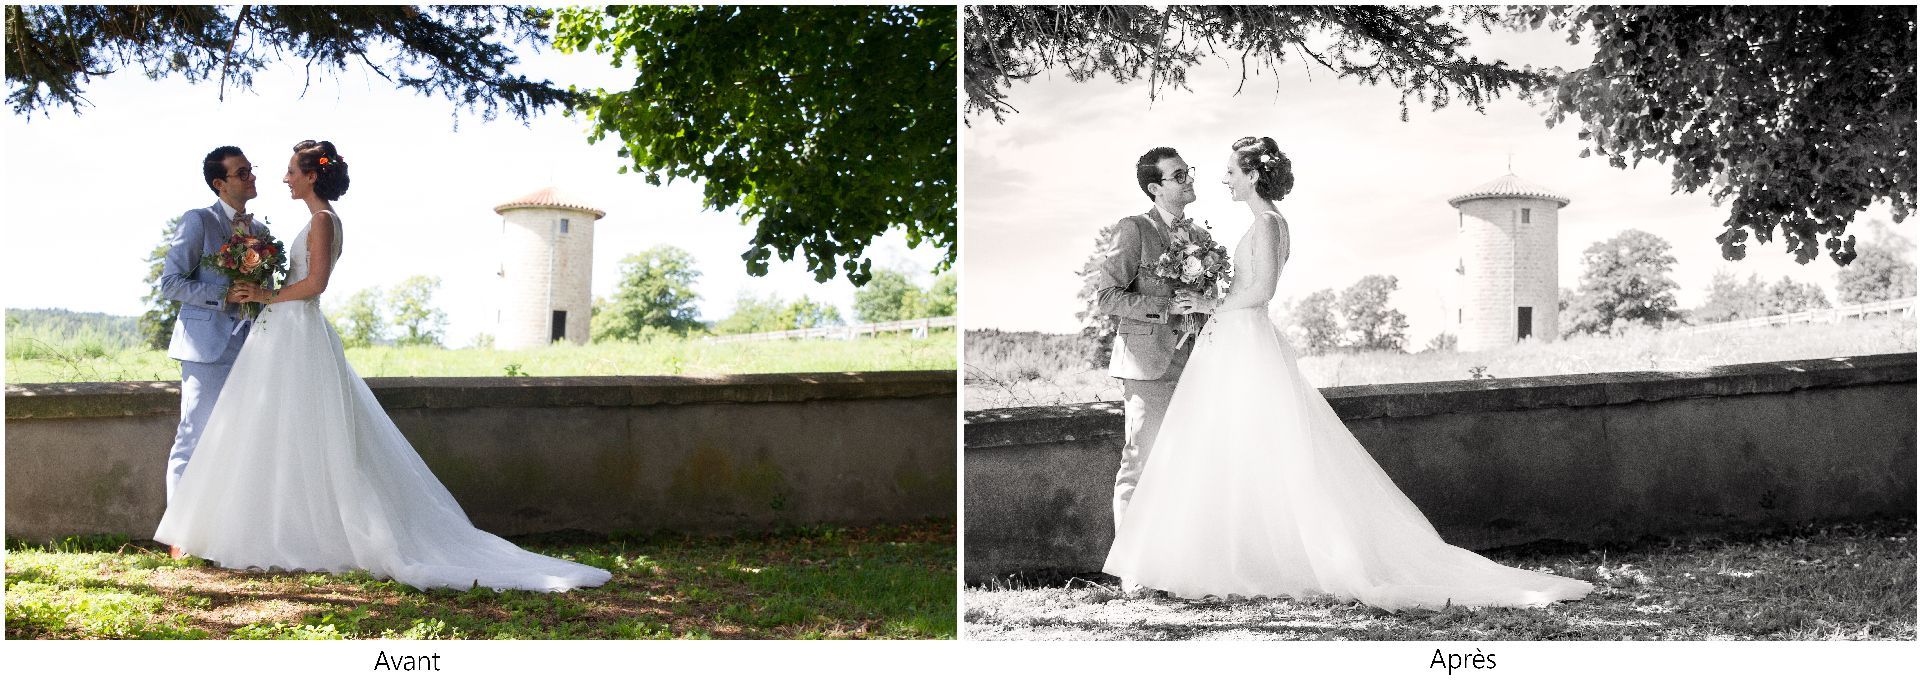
259,259
1200,266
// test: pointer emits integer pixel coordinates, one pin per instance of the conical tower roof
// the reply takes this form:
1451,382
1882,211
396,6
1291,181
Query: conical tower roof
1509,186
550,197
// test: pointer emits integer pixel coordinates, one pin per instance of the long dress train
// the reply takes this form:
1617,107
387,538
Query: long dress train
1255,487
301,469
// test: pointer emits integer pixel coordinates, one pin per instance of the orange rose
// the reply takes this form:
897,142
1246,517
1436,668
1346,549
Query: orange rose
249,261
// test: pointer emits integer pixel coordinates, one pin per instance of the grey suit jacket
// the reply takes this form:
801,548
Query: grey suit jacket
206,320
1142,303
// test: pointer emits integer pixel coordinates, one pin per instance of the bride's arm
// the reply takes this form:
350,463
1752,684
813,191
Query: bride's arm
1270,247
319,263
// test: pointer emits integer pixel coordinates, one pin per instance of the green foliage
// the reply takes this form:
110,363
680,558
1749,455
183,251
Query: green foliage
1883,272
943,297
754,314
411,303
156,324
449,51
892,296
888,297
1416,50
1626,279
54,333
1796,116
1371,324
663,355
359,322
806,313
829,124
655,294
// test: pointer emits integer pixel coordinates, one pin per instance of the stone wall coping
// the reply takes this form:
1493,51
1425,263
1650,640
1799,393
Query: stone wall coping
114,399
1017,426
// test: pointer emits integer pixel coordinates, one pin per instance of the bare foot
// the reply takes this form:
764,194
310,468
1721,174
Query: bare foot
176,552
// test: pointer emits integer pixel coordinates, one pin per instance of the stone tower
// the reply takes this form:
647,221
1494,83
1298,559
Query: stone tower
546,269
1509,265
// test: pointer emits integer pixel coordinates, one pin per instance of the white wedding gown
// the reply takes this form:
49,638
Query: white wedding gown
1255,487
300,469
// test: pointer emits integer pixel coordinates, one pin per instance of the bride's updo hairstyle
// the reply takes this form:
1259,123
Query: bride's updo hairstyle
1263,155
320,157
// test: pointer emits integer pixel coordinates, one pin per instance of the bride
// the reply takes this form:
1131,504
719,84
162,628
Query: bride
1256,488
300,468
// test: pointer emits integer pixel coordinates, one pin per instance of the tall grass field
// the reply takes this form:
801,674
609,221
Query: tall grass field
1021,369
46,353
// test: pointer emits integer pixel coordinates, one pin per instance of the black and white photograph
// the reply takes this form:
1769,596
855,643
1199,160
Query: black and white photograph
1438,323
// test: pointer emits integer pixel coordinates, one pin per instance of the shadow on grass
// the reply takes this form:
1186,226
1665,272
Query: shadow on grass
819,582
1809,582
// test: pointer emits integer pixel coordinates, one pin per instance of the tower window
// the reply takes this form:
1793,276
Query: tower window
559,325
1463,219
1526,323
565,225
1526,216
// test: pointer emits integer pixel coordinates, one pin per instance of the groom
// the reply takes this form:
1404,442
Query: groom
209,331
1144,354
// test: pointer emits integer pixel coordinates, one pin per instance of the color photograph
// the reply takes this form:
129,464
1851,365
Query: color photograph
481,322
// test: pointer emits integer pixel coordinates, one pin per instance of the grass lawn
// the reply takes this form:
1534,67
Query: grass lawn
1808,583
1016,369
31,361
887,582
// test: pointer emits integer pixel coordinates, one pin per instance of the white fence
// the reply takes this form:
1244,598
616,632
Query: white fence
1899,306
920,329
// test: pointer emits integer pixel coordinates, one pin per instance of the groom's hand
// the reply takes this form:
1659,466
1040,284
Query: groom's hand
239,292
1187,303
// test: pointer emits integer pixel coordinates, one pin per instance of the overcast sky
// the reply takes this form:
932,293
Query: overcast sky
1369,198
421,201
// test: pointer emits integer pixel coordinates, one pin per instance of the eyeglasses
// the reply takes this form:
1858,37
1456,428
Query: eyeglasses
241,173
1181,175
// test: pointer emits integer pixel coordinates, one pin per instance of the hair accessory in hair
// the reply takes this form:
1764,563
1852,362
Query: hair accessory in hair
323,161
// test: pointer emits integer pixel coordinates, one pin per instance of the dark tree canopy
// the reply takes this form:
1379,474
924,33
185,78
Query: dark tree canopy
453,52
1416,50
831,125
1797,116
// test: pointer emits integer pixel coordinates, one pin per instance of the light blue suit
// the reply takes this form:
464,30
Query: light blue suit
208,334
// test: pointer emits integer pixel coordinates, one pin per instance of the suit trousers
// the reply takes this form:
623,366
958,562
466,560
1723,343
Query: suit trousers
200,385
1146,403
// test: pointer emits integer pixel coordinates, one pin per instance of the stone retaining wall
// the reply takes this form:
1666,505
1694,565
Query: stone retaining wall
1583,458
540,454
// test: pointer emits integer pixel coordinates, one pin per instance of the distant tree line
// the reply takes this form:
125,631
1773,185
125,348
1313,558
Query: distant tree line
656,296
1627,283
31,329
